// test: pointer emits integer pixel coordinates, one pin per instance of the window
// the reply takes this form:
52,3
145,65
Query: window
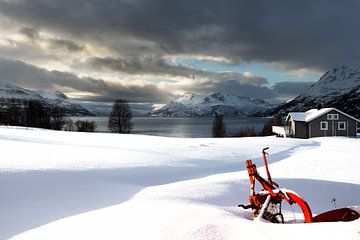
341,125
323,125
332,116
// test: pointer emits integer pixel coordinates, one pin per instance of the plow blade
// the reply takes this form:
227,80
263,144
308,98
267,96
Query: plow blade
337,215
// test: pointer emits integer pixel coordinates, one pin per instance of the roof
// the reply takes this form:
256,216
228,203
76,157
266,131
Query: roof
313,114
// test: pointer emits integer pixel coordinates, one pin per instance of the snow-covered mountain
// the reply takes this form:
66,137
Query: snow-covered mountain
339,88
335,82
11,92
194,105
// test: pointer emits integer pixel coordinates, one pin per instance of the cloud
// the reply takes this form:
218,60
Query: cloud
281,91
35,38
99,90
30,33
32,77
291,89
302,34
233,87
160,67
64,44
126,41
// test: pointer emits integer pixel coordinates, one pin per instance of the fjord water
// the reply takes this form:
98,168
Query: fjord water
181,127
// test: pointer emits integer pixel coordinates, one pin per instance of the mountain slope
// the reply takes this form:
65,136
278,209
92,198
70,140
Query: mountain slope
193,105
10,92
337,88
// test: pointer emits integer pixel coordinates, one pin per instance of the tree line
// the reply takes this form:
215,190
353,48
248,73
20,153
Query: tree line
32,113
35,114
219,128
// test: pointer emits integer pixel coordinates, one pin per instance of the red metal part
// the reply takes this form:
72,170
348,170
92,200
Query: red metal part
303,205
266,165
270,188
257,199
341,214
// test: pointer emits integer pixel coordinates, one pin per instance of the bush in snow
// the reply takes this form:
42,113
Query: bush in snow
85,126
246,132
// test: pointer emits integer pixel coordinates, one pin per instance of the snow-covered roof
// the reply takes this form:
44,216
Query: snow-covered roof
313,114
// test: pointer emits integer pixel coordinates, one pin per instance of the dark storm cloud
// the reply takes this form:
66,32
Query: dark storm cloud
291,88
236,88
30,33
295,34
29,76
64,44
53,43
280,92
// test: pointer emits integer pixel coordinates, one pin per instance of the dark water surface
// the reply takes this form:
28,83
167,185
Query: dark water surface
181,127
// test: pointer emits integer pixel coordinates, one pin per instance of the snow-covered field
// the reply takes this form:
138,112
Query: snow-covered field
65,185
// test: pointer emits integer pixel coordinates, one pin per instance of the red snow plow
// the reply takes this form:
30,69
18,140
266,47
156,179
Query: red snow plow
268,203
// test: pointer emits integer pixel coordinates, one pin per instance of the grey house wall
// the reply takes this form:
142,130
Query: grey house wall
314,126
298,129
301,130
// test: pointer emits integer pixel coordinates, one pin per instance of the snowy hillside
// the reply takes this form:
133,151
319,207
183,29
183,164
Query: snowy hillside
67,185
337,88
9,92
337,81
193,105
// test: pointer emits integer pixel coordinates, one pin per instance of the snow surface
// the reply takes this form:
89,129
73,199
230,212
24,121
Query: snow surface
66,185
314,113
309,115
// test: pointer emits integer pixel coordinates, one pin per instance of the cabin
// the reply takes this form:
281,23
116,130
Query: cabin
319,123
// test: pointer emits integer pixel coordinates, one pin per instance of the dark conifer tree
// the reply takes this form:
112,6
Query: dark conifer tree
219,128
120,117
37,115
57,118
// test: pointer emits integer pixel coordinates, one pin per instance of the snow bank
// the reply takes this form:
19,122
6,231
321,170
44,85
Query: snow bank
61,185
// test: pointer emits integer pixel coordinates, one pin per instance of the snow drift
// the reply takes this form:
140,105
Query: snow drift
62,185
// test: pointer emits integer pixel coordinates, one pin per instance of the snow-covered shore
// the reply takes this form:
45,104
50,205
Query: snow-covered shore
65,185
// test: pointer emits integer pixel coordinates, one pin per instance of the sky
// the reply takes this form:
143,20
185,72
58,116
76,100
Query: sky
152,51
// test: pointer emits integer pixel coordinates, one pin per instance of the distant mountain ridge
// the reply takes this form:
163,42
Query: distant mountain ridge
10,92
339,88
195,105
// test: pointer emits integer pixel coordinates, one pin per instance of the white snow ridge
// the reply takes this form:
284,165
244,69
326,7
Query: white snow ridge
66,185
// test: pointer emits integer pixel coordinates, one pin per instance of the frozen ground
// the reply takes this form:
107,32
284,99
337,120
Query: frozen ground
61,185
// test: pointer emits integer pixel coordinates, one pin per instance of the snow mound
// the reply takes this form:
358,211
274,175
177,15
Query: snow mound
65,185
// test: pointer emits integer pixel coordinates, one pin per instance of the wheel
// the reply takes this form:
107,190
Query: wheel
273,213
277,218
298,212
